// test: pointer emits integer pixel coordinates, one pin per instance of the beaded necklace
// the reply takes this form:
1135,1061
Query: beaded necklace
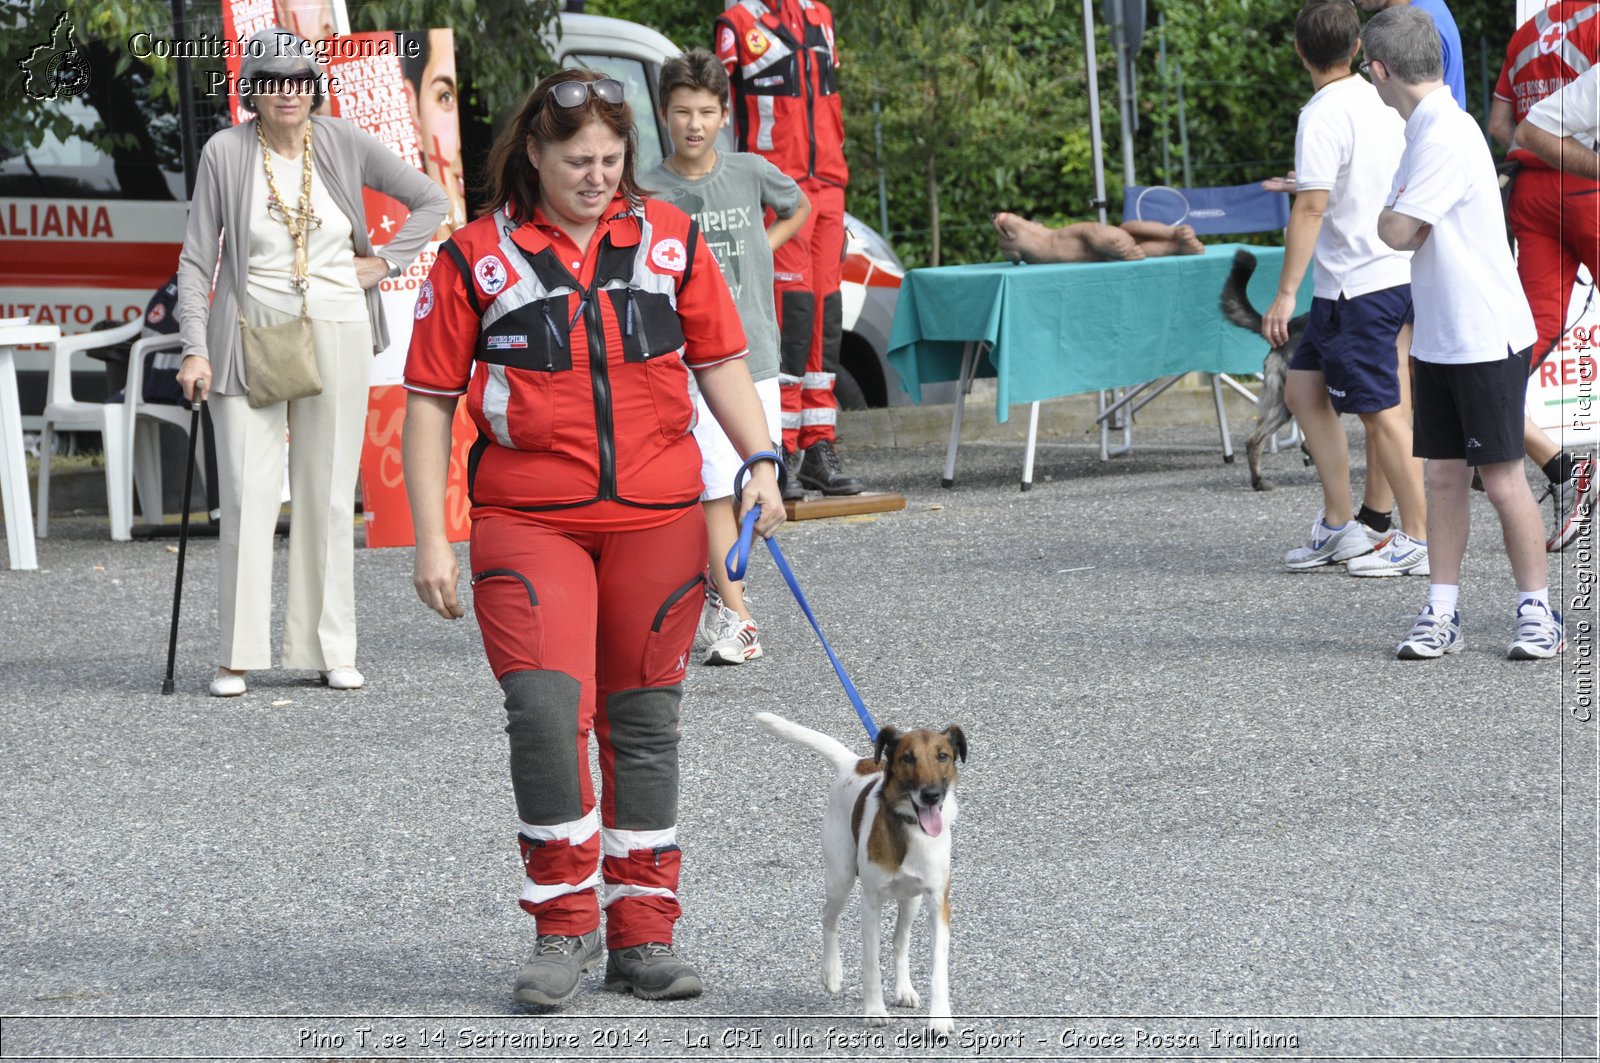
299,220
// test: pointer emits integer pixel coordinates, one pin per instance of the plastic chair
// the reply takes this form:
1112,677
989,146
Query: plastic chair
1215,211
143,427
62,412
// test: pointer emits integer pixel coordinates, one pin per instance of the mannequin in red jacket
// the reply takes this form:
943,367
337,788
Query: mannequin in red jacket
783,72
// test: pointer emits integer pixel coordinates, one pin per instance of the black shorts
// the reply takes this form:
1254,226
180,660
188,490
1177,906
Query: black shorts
1470,412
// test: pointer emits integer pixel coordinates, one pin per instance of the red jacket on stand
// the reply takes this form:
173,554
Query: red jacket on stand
781,62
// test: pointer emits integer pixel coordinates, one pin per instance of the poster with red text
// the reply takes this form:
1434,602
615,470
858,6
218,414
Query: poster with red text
1562,397
401,88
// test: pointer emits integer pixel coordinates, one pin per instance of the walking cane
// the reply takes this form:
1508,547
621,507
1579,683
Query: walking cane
183,533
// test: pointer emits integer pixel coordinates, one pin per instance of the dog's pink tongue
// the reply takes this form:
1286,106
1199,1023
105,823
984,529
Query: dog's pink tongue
932,822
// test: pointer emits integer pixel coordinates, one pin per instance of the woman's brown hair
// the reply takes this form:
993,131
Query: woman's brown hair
513,181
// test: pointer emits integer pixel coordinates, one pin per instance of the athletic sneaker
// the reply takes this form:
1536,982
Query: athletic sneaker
1330,546
1397,554
1571,501
652,971
1431,636
736,642
1540,633
713,618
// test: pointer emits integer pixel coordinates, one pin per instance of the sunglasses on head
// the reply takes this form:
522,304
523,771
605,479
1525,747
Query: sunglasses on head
284,85
575,93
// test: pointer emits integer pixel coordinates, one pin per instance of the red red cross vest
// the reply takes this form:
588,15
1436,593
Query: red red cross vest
1552,48
580,393
783,70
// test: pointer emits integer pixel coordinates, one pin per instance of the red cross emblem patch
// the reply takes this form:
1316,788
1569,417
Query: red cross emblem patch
491,274
669,255
1553,38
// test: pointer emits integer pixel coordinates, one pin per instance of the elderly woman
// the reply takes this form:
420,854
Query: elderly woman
278,199
570,316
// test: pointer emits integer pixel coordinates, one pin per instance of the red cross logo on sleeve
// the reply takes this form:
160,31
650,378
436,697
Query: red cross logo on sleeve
669,255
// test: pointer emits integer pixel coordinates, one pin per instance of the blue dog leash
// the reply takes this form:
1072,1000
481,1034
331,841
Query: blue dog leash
738,560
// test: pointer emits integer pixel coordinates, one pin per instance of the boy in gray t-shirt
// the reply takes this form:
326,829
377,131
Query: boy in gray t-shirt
727,194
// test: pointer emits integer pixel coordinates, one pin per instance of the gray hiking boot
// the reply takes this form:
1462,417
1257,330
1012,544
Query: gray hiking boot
552,974
652,971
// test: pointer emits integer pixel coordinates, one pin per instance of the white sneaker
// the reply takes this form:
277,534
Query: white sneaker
712,620
738,642
1540,633
1432,635
1398,554
1330,546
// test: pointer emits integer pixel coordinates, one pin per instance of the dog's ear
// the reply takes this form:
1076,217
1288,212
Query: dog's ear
958,741
883,748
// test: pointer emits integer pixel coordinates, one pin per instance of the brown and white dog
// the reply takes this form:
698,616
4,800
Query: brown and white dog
888,823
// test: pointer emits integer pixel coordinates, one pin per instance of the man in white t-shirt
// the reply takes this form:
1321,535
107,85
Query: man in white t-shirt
1346,149
1473,335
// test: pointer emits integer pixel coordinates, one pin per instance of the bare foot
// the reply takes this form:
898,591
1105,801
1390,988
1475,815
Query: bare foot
1188,242
1020,240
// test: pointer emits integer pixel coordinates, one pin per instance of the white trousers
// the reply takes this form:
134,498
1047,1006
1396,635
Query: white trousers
326,430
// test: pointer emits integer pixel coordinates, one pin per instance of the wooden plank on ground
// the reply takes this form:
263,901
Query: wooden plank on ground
845,505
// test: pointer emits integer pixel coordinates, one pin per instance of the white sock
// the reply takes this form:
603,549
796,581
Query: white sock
1443,597
1542,596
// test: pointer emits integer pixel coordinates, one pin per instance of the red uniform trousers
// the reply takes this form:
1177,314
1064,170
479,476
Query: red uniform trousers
591,630
806,274
1556,220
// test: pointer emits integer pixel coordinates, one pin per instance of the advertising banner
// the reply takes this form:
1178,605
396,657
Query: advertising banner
400,87
1561,392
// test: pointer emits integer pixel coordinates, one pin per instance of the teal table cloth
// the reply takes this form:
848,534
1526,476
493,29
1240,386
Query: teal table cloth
1077,327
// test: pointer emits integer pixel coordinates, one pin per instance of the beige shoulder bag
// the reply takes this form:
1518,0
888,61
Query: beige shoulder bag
280,361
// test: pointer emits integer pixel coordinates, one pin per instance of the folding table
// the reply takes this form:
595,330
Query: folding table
1050,330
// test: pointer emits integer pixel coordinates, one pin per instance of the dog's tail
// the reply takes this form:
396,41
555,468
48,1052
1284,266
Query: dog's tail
1236,306
838,754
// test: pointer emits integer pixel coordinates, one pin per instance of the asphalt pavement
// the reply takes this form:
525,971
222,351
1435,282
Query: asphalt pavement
1206,815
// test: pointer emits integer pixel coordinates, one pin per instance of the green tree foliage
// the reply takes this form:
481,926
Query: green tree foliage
976,105
502,46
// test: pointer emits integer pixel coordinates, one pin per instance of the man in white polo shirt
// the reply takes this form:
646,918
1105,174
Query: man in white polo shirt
1473,335
1346,149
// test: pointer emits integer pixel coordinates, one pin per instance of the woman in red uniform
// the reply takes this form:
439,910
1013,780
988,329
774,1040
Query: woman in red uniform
570,316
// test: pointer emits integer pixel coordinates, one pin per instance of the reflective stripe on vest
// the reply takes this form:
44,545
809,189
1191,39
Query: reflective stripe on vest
530,288
1569,52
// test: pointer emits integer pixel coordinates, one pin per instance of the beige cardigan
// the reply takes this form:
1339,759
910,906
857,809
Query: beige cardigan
347,158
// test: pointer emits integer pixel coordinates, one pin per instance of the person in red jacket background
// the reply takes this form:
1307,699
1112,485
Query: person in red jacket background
1555,218
783,72
570,316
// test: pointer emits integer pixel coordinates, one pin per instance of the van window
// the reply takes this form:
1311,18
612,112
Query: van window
639,82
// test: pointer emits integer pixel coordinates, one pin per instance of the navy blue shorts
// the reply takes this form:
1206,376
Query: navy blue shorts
1471,412
1351,343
